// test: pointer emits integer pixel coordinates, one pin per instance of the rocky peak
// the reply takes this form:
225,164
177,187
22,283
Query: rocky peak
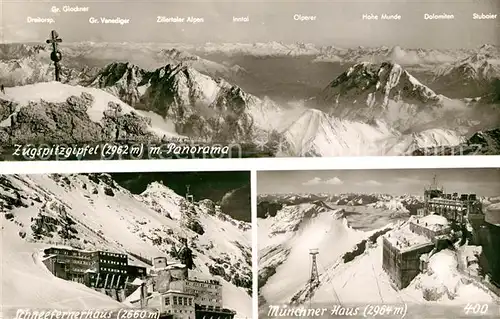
177,55
375,86
200,107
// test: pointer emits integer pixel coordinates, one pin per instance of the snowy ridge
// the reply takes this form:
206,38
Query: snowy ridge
376,85
22,64
471,76
285,253
354,261
100,103
403,56
199,106
272,48
443,282
108,217
175,56
481,65
315,133
374,108
401,205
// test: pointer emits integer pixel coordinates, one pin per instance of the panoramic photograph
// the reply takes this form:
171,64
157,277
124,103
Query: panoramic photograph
149,245
274,79
413,243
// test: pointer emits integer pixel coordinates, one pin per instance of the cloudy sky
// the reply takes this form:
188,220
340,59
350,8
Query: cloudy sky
484,182
338,22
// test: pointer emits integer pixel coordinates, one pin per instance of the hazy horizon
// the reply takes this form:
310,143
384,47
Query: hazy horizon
483,182
338,23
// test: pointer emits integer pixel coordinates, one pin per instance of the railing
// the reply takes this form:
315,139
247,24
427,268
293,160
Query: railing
213,309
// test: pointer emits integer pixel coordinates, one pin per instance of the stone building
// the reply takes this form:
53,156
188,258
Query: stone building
406,250
176,303
186,294
95,269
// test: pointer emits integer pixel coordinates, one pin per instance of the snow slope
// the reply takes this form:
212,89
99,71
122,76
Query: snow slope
199,105
109,217
366,271
316,133
297,229
284,243
56,92
27,282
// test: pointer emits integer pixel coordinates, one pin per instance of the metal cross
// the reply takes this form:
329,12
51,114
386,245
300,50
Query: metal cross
55,55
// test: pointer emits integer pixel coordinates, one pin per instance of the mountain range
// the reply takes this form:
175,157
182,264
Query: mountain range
356,224
374,107
106,216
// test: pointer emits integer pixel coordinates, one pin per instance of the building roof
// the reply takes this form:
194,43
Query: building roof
48,257
170,267
199,276
175,266
174,291
403,238
137,282
433,222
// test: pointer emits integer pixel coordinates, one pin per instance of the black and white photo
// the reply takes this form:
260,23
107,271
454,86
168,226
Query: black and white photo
151,245
413,243
263,79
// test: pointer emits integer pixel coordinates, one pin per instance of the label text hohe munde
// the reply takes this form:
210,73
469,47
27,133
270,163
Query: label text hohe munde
384,16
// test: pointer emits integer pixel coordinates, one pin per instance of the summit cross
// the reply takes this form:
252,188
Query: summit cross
55,55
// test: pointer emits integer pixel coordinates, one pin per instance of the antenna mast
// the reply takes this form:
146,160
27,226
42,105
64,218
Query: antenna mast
189,197
434,181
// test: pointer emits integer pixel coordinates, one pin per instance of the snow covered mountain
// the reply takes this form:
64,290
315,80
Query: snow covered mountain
199,106
273,48
404,203
23,64
316,133
471,76
175,56
484,142
372,88
53,112
285,241
383,109
372,108
105,216
350,271
423,58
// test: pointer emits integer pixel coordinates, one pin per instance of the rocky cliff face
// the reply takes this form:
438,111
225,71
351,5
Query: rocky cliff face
200,107
93,212
486,142
70,121
368,85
